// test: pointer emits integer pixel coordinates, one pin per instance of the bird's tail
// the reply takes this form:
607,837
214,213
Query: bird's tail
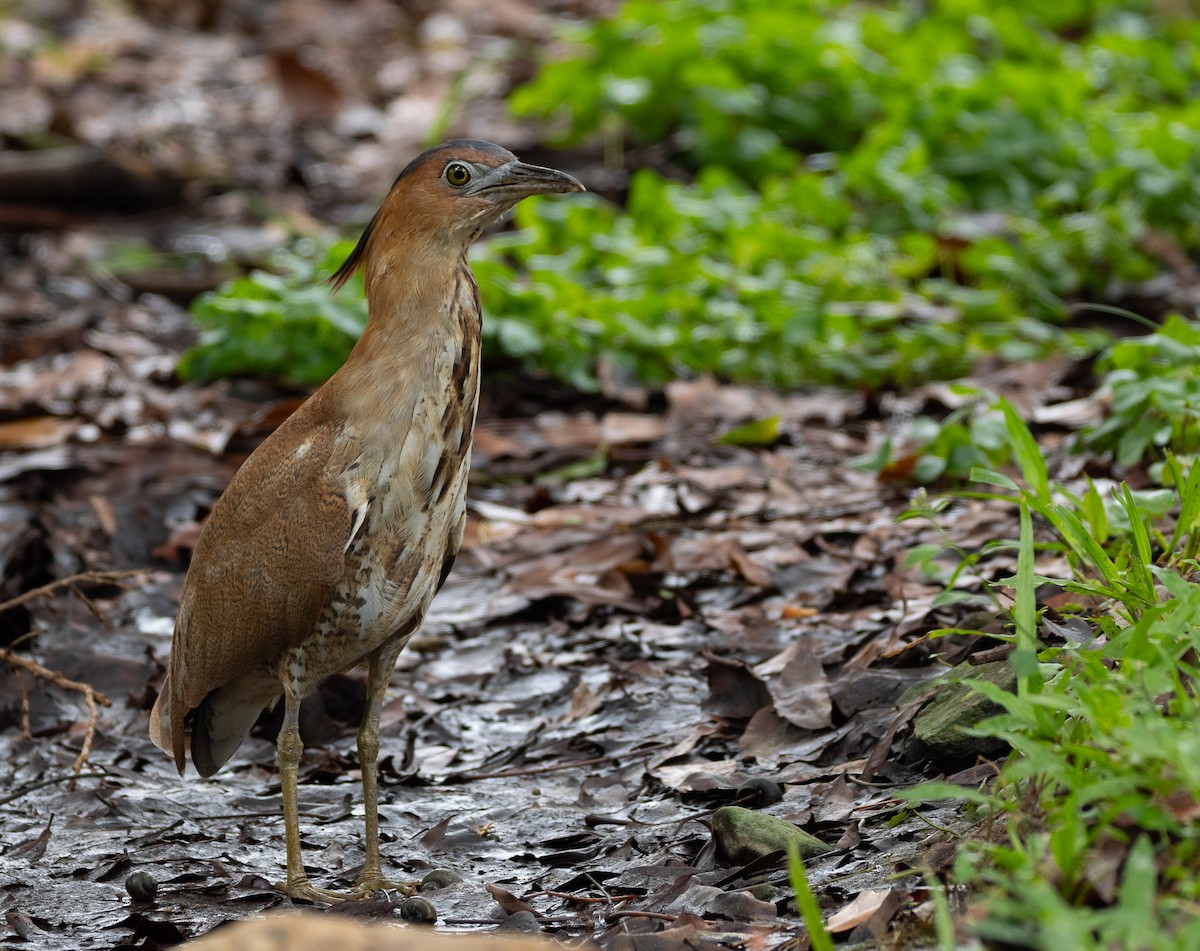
224,718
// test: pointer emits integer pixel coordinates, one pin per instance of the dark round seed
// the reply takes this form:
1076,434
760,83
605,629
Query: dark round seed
419,910
758,792
439,878
141,886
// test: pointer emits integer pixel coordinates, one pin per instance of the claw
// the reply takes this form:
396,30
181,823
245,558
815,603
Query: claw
368,884
365,887
303,890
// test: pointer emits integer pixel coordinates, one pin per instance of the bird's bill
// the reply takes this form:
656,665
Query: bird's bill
509,183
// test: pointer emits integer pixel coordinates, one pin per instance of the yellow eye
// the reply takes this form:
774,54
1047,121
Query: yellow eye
457,174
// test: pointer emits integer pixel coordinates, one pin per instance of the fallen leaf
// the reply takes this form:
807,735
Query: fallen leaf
508,901
760,432
861,909
38,432
799,689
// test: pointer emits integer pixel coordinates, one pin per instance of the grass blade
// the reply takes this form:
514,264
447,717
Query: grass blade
1026,452
806,901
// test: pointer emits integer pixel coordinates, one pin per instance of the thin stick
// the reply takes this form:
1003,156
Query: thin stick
91,696
84,577
584,899
53,781
659,916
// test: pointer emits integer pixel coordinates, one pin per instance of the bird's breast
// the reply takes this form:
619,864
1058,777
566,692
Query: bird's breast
404,477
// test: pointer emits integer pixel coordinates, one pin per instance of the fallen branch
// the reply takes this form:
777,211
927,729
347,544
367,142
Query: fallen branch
91,696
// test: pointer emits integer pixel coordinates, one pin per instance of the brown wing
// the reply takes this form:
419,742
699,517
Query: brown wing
266,563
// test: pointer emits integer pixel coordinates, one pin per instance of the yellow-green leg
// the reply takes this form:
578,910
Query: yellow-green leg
380,666
290,749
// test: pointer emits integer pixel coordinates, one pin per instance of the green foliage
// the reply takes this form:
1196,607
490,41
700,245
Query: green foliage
970,438
880,194
282,323
990,159
1071,106
715,277
1151,385
1154,386
759,432
1100,848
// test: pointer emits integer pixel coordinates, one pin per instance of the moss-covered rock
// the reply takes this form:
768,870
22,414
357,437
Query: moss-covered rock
743,835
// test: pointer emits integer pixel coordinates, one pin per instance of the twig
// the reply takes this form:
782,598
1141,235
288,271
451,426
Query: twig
91,696
84,577
52,781
26,726
584,899
657,915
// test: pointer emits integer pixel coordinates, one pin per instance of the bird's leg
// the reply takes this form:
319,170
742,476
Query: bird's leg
380,666
290,749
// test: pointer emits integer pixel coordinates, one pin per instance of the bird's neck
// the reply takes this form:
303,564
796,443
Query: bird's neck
420,307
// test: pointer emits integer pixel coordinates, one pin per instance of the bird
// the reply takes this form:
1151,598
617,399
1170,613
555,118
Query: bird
328,545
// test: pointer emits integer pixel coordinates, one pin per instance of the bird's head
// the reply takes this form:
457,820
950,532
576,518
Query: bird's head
446,196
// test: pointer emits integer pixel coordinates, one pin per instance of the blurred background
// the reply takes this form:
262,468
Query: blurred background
794,192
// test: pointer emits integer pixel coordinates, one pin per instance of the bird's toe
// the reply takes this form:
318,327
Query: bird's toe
303,890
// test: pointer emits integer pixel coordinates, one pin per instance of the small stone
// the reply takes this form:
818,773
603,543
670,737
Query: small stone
141,887
943,724
759,792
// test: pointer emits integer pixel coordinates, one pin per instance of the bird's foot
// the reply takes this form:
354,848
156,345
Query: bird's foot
365,887
370,882
304,890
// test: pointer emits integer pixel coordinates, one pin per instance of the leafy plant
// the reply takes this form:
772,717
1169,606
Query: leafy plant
1153,383
1098,845
876,194
971,437
280,323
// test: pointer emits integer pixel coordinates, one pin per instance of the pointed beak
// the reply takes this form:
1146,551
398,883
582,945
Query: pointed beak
508,184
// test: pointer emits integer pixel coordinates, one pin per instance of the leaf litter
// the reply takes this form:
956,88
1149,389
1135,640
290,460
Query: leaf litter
612,659
667,602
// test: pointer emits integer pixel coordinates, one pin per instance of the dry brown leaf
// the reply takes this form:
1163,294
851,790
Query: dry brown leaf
618,429
508,901
37,432
861,909
799,689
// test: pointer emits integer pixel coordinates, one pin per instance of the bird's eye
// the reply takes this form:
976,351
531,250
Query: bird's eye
457,174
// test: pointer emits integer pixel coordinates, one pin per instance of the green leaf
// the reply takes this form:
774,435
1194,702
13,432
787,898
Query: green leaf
989,477
1094,511
1189,503
1026,451
1025,612
760,432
